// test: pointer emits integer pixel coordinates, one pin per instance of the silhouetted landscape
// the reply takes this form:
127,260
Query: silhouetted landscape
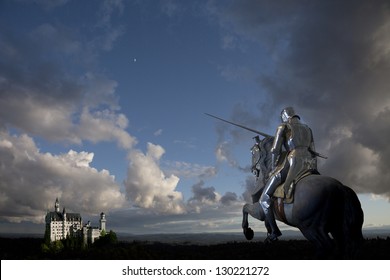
180,246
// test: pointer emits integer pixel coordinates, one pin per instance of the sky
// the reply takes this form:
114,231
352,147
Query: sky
102,105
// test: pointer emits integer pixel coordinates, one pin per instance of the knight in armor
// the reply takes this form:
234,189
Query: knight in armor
295,139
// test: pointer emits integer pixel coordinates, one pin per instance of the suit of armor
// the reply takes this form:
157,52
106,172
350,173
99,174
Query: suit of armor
297,140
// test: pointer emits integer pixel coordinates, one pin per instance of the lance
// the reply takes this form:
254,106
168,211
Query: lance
259,132
241,126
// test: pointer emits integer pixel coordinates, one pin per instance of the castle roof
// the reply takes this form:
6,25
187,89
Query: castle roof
58,216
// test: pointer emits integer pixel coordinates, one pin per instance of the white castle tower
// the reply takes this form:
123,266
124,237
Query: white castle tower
57,206
102,221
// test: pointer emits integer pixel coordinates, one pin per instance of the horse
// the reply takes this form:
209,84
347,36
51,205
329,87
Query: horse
322,206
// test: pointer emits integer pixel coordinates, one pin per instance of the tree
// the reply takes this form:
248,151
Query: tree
109,238
57,246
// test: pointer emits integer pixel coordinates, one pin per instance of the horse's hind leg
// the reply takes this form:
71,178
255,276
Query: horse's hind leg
348,244
340,240
321,240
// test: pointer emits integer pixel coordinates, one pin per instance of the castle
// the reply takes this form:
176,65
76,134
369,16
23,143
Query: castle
60,225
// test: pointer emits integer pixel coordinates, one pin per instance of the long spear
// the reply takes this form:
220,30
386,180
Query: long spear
241,126
259,132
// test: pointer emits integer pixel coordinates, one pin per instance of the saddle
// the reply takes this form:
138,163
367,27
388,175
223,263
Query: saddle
286,193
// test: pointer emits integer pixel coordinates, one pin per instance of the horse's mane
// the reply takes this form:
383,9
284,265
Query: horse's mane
266,157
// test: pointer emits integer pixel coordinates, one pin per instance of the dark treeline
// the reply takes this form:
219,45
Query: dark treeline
31,248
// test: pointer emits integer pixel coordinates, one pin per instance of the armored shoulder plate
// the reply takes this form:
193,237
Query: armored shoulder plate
279,139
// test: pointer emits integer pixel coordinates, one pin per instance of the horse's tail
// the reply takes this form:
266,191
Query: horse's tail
352,223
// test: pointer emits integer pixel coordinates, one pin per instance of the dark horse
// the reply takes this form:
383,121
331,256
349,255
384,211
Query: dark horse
321,206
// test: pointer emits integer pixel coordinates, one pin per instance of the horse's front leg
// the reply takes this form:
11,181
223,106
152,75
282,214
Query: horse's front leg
245,223
254,211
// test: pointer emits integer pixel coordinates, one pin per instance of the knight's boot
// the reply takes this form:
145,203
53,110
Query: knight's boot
266,202
275,232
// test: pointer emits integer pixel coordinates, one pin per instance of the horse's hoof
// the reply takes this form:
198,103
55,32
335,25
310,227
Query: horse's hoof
248,232
270,240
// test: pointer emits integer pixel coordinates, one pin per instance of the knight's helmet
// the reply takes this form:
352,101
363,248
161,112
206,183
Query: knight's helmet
288,113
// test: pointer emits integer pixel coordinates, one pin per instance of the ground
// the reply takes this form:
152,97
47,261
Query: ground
31,248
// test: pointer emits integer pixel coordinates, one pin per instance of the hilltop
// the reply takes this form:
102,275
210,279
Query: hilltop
30,248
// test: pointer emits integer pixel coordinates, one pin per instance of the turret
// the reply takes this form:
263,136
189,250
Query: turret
102,221
57,205
64,227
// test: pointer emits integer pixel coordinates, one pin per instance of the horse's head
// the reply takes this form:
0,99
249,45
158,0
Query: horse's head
262,158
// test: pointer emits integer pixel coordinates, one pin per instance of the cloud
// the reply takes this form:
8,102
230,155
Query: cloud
158,132
229,198
207,200
205,211
203,194
26,172
223,154
250,187
330,61
105,125
148,187
190,170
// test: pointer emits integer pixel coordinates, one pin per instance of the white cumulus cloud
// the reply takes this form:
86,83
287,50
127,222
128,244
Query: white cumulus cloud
148,187
29,180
